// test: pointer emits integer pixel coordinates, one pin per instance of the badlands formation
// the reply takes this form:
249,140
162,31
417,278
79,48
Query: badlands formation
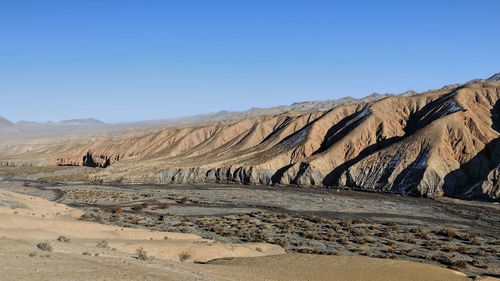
439,143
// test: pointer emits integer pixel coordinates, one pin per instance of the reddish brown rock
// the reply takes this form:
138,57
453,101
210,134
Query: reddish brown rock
442,142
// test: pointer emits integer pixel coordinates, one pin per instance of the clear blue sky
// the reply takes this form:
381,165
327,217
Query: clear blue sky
137,60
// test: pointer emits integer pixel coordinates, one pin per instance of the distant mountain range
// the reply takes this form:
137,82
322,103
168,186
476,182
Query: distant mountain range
31,129
4,123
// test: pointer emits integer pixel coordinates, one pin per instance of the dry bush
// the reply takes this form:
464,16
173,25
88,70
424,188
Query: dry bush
390,243
308,251
357,231
346,223
358,221
184,256
385,234
142,254
63,239
479,263
370,240
91,217
343,239
102,244
139,207
114,218
475,241
44,246
452,262
281,243
447,232
359,240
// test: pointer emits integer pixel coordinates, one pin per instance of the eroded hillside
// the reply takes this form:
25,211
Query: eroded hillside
440,143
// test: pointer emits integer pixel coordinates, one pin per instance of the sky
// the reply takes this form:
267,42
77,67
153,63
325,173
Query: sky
124,60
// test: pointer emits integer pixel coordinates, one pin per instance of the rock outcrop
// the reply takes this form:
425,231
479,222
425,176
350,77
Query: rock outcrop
439,143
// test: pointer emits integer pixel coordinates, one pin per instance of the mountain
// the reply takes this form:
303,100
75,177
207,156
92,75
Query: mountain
494,78
439,143
4,123
82,122
30,129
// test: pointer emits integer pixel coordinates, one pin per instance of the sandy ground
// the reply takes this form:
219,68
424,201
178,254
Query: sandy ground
339,268
27,220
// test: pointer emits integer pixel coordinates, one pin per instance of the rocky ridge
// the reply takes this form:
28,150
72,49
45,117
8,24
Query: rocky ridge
439,143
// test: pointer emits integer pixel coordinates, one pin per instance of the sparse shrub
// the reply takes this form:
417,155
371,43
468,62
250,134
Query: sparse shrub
428,257
385,234
491,250
475,241
102,244
357,231
282,243
370,240
466,237
452,263
359,240
346,223
308,251
360,251
183,200
458,264
479,264
114,218
44,246
424,235
91,217
447,232
63,239
390,250
143,254
343,239
358,221
184,256
337,228
140,207
259,249
482,252
390,223
463,249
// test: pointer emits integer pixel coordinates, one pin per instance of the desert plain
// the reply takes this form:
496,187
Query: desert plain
54,230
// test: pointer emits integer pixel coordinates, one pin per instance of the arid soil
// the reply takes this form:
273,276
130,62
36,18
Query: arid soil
42,240
461,235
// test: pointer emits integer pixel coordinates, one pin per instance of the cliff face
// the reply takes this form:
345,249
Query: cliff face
440,143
